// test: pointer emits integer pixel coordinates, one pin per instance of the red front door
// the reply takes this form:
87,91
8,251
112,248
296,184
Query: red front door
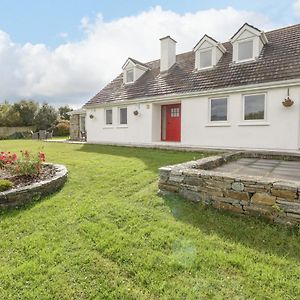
171,122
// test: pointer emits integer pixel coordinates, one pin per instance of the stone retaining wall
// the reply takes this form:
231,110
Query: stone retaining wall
276,200
21,196
7,131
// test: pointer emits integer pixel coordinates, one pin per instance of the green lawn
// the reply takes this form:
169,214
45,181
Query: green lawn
108,235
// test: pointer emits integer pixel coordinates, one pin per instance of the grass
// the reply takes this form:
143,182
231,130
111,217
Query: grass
59,138
108,235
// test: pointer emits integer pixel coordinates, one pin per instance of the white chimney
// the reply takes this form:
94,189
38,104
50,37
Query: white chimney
167,53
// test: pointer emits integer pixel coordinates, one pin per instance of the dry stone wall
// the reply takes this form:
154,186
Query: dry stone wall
21,196
278,201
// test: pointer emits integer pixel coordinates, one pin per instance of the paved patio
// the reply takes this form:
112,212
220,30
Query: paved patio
286,170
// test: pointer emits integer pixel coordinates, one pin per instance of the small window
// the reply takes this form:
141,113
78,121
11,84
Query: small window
218,109
123,116
245,50
175,112
205,59
108,117
129,76
254,107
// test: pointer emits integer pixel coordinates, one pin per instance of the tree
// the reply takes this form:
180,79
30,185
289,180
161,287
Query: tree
63,112
8,116
62,128
27,110
46,117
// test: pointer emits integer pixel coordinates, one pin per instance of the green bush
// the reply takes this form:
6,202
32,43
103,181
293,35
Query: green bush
16,136
5,185
62,128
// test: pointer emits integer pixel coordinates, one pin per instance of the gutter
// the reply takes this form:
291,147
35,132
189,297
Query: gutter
214,92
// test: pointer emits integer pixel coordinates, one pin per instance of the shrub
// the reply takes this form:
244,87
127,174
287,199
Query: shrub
16,136
62,128
28,164
5,185
7,158
24,165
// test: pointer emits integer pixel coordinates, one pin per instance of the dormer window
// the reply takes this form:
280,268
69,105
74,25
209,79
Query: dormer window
133,70
247,44
129,76
245,50
205,59
208,52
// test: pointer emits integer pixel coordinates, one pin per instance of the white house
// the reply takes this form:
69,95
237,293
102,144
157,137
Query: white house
244,93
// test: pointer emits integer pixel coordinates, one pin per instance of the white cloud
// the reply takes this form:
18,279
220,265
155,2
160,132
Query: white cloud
297,8
73,72
63,35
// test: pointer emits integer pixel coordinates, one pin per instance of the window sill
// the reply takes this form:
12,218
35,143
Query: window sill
245,61
215,124
122,126
254,123
204,69
108,127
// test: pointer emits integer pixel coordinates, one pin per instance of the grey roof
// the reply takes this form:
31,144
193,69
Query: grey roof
278,61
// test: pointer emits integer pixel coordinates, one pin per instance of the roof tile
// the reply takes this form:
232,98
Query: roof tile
279,60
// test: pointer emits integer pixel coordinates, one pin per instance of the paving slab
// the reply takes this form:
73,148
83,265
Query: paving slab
266,168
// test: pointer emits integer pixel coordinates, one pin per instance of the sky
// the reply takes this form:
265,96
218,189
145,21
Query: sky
64,52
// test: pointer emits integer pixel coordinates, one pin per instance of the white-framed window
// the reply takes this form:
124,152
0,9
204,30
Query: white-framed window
108,116
254,108
205,59
129,76
245,50
218,109
123,116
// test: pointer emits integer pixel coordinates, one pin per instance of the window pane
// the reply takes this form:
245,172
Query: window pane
255,107
245,50
218,109
164,122
129,76
206,59
175,112
123,115
82,123
108,117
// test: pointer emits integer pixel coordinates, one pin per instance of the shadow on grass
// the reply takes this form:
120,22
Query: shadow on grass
152,157
249,231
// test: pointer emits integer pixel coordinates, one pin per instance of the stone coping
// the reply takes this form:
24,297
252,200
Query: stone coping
275,199
20,196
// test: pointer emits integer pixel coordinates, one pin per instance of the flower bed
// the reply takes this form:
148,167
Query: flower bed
26,176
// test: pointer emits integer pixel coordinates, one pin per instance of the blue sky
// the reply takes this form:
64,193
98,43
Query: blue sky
46,21
65,51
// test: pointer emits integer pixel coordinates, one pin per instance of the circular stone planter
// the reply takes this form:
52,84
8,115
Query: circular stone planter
20,196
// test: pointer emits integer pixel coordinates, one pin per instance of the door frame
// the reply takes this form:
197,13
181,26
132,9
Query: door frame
162,122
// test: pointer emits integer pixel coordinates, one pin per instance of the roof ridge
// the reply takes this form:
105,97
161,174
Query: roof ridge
282,28
183,79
